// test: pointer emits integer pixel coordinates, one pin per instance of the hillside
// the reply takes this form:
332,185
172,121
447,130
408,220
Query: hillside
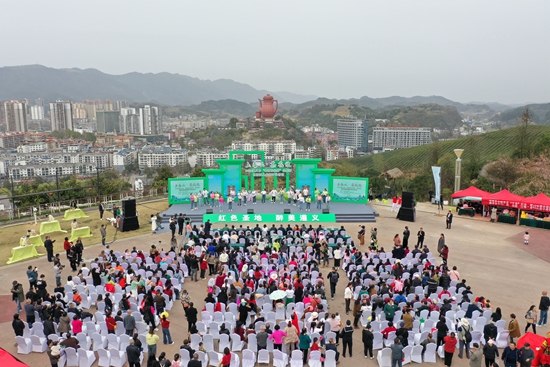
37,81
215,109
428,115
540,114
485,147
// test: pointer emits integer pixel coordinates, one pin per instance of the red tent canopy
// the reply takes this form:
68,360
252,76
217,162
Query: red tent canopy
540,203
471,191
8,360
503,198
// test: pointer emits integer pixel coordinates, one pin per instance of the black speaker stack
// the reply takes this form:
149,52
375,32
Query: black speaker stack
250,211
209,211
129,221
407,212
326,211
287,211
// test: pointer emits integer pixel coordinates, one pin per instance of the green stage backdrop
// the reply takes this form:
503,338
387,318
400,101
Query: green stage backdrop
350,189
180,189
269,218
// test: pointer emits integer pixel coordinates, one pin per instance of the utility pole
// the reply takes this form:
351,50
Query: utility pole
57,184
98,183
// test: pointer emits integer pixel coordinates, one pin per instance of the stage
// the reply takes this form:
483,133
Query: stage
273,213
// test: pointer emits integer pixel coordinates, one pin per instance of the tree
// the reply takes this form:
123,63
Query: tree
233,122
524,144
197,172
161,179
503,172
533,176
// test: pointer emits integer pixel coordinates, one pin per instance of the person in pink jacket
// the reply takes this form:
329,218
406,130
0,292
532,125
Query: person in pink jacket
277,337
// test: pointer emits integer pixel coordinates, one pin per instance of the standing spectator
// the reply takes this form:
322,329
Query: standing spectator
172,226
32,275
449,219
449,347
151,339
261,338
191,314
526,238
531,319
17,295
490,352
160,302
442,330
304,343
543,308
79,250
129,322
110,322
513,328
277,337
67,246
347,339
103,232
181,224
133,354
490,331
510,355
203,266
226,359
29,312
476,355
526,355
396,353
165,324
53,353
348,294
17,325
101,210
406,235
390,308
333,276
368,338
48,244
291,337
463,329
420,235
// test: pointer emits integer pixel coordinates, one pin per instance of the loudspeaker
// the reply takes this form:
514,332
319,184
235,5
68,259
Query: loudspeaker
287,211
326,211
407,199
209,211
129,224
129,207
407,214
250,211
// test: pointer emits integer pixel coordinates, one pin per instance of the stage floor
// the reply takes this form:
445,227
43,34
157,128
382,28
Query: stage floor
344,212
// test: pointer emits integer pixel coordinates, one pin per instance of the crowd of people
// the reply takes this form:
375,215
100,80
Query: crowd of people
380,285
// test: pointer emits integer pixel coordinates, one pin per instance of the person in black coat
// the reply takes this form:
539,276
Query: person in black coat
181,224
490,331
420,242
449,219
17,325
173,226
195,362
133,353
406,235
403,334
48,244
368,339
442,330
347,338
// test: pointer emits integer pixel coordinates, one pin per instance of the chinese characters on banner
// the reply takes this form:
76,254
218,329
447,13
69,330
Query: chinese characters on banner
272,218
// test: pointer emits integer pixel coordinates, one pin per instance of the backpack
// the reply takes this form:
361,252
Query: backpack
467,335
334,277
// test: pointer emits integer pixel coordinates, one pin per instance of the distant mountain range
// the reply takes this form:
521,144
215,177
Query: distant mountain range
37,81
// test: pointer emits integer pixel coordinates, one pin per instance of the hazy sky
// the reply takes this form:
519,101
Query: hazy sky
467,50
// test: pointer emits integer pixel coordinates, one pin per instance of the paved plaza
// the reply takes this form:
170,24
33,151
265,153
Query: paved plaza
491,256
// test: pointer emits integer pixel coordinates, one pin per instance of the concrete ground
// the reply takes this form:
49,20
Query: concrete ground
491,256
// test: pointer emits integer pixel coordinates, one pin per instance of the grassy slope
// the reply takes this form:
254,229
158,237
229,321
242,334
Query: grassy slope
490,147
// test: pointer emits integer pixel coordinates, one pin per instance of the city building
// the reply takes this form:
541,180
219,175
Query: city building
31,148
269,147
11,140
37,112
123,158
149,121
15,115
61,115
208,159
353,133
129,121
301,154
108,121
399,137
161,156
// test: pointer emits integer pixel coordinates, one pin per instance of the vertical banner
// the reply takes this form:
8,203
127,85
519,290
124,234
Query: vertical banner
437,180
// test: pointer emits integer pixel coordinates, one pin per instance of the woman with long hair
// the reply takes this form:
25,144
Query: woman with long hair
531,319
226,359
304,342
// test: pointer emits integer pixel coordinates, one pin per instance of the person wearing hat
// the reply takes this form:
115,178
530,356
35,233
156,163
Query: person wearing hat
403,334
463,328
490,352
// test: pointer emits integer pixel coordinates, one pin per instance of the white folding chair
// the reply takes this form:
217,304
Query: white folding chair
118,357
214,358
195,340
252,343
249,358
314,359
39,344
407,353
236,343
85,357
429,353
99,341
297,358
281,360
416,354
384,357
113,342
104,358
24,345
203,357
330,358
185,357
223,343
72,357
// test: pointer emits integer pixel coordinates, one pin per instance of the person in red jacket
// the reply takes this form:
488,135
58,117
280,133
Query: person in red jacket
111,323
67,246
449,347
203,266
226,359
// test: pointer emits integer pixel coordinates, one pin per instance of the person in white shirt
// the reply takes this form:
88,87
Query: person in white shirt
74,224
348,294
264,193
224,258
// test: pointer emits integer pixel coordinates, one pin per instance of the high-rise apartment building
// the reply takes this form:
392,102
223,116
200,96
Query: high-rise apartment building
129,121
150,122
15,115
399,137
37,112
108,121
61,115
353,133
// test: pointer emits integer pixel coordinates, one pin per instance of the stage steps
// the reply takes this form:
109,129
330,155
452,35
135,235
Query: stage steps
356,218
